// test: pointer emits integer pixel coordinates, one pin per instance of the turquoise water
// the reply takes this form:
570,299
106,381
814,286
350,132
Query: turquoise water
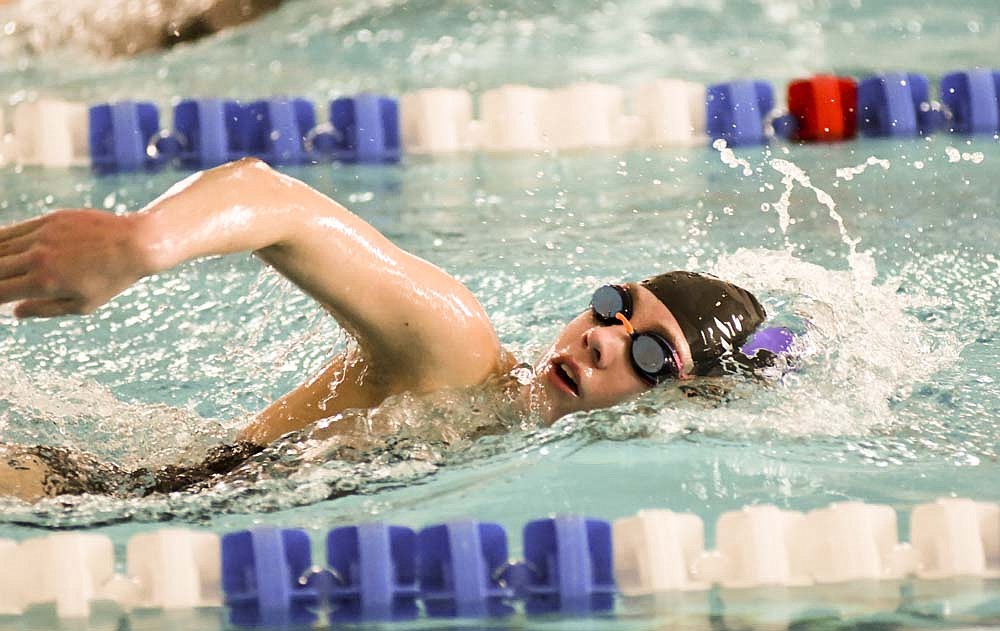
896,400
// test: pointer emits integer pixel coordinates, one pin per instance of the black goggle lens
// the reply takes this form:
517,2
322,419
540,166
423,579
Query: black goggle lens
647,354
610,300
652,356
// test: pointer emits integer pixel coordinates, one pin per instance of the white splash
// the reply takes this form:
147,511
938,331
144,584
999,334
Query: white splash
954,155
861,345
792,175
848,173
728,157
131,433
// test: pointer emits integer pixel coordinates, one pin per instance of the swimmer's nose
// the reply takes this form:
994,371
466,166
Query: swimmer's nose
593,346
604,343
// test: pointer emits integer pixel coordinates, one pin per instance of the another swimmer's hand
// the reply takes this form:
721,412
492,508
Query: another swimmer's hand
69,262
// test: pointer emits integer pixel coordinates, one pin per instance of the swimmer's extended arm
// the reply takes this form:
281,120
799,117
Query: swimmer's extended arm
418,327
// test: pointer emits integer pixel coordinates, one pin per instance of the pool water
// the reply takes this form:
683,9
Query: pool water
881,254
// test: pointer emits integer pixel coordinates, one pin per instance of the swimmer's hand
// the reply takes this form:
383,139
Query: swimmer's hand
68,262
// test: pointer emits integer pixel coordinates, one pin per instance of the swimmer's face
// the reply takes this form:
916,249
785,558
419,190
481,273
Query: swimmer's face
588,367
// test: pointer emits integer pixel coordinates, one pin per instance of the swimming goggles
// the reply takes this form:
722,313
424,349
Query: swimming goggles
653,357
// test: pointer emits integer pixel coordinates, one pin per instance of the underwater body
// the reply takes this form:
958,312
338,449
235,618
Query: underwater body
880,255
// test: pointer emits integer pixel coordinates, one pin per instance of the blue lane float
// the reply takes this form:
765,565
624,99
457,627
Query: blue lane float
206,133
896,105
972,99
126,136
274,130
461,570
377,572
367,127
261,569
570,558
736,112
374,567
119,136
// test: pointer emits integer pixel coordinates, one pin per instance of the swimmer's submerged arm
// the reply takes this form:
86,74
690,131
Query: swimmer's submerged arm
414,322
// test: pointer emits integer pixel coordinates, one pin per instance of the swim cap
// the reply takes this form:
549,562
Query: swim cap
716,317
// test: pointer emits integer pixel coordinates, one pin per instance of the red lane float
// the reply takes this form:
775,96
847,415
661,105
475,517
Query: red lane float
825,108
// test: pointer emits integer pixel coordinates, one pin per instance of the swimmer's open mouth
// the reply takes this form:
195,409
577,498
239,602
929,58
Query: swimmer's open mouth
563,373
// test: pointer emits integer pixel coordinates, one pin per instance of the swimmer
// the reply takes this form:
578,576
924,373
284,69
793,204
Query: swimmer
118,29
417,329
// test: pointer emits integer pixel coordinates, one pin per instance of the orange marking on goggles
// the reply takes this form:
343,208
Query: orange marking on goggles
628,325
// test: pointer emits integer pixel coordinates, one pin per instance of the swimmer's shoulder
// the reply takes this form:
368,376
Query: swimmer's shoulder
475,361
459,348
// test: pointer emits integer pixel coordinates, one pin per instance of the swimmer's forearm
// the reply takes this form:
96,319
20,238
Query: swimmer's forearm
72,261
239,207
245,206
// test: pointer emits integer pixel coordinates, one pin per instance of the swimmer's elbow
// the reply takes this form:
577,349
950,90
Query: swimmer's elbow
249,168
251,163
255,178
